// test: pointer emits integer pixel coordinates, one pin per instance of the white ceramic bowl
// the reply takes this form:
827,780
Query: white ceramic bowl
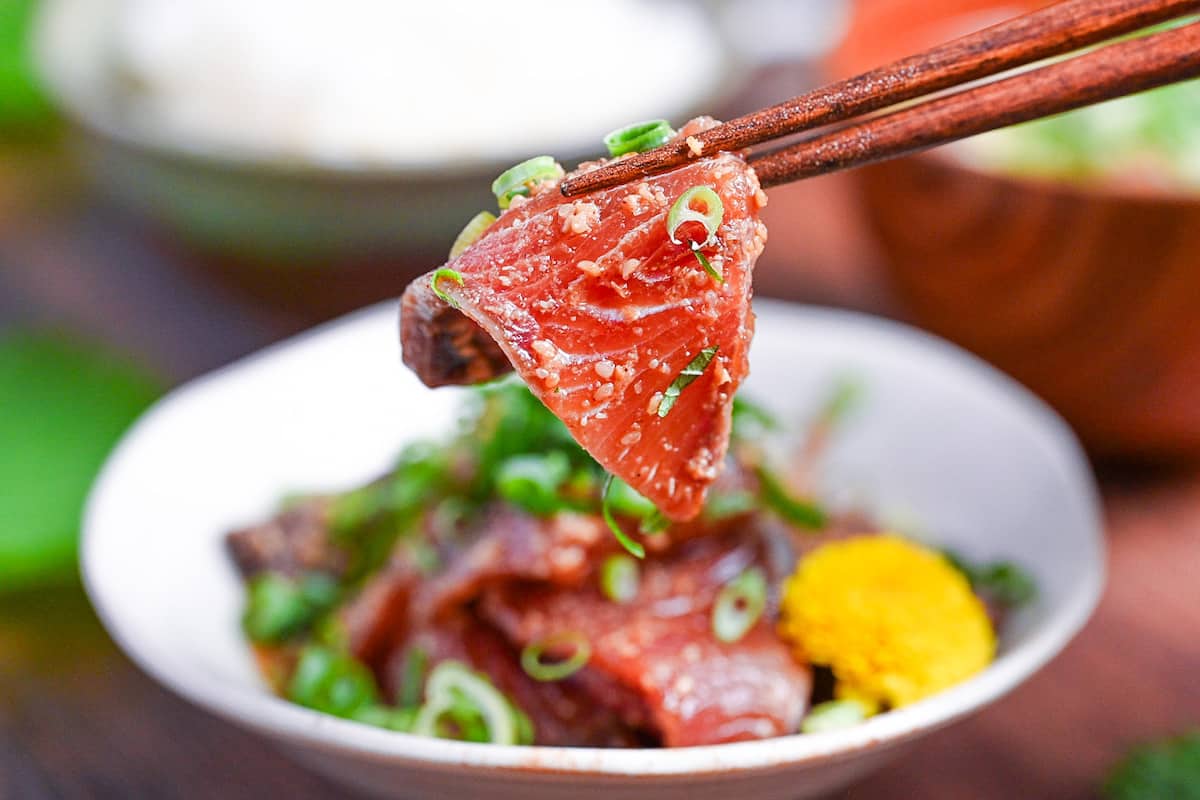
281,208
940,441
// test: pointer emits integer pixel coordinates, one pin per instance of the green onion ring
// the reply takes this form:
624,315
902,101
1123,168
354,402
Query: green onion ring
471,232
518,180
531,656
775,496
739,605
450,275
693,370
682,212
638,137
453,677
833,715
629,544
619,578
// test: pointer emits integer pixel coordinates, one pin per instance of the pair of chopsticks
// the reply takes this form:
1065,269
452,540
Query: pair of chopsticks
1109,72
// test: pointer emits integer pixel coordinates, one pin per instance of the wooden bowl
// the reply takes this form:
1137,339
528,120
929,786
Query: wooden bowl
1084,293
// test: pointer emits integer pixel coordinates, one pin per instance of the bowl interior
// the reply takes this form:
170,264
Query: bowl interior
940,446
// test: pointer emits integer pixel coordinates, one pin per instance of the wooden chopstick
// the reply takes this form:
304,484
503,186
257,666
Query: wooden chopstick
1112,71
1058,29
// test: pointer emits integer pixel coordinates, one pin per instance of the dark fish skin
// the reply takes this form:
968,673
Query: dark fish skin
442,346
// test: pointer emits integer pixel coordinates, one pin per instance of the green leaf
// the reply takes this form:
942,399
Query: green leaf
1169,768
63,406
23,104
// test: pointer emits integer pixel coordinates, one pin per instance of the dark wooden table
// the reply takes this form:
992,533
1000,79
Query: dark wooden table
78,720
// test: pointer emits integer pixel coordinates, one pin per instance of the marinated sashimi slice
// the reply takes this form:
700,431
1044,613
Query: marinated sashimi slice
660,647
620,331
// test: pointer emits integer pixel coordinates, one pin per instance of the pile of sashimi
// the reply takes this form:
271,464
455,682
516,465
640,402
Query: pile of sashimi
602,553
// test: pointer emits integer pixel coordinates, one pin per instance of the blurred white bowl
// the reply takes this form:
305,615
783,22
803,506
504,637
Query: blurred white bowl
291,165
965,454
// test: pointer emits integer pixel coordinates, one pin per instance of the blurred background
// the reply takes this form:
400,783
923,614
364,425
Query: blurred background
185,181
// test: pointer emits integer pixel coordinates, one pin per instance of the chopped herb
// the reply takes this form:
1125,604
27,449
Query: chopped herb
450,275
606,510
776,497
532,657
1002,581
638,137
693,370
708,267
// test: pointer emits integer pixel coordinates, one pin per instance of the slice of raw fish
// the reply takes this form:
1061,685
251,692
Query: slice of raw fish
560,715
692,688
600,313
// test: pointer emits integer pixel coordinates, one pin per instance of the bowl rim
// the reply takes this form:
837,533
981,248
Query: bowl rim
277,718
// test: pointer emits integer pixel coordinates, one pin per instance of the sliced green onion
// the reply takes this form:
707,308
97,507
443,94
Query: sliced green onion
710,218
729,504
751,420
392,719
520,179
833,715
532,482
333,682
739,605
539,670
452,685
278,607
605,509
619,578
470,725
653,523
524,725
684,379
450,275
776,497
708,267
471,232
638,137
623,499
845,395
416,662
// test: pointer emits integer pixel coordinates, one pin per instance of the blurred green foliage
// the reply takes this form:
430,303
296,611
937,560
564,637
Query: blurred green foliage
24,107
1157,130
62,407
1168,769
